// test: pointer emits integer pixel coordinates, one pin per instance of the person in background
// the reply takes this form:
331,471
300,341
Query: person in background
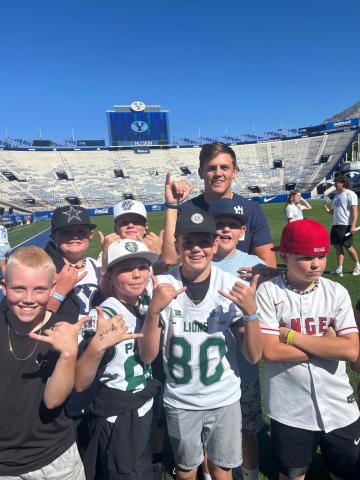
71,232
295,206
130,221
5,248
77,290
356,365
218,169
345,213
230,226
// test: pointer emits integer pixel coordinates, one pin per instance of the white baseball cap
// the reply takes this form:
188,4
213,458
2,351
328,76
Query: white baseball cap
129,206
124,249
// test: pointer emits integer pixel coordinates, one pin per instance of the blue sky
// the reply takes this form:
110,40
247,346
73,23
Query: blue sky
214,64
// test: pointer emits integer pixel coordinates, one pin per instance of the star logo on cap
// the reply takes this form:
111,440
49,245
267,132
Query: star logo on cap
131,247
197,218
73,214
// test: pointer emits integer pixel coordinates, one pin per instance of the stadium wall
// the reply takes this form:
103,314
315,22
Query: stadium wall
160,207
94,212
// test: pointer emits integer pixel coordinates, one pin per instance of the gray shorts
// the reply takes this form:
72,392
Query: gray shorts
66,467
250,401
217,430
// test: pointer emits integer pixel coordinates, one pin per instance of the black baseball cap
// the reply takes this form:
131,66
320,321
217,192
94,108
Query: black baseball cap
195,220
70,215
228,207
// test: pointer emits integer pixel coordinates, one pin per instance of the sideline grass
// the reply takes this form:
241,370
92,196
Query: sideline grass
21,233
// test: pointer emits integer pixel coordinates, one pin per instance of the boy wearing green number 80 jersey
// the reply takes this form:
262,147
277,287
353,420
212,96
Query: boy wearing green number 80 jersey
198,308
121,412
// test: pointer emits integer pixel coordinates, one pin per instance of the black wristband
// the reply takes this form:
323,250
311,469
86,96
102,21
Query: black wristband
175,206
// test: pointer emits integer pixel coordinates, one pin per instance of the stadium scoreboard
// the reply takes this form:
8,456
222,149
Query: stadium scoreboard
138,125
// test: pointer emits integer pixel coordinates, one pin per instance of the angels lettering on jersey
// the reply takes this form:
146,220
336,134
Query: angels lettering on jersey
309,325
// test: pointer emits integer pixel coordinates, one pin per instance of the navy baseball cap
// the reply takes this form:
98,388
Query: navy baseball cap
70,215
228,207
195,220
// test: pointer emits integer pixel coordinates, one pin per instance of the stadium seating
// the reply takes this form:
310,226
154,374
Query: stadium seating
89,174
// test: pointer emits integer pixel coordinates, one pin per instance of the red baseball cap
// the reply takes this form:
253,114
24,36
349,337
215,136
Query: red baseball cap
304,237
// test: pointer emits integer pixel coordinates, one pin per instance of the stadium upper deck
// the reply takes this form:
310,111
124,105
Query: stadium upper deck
40,179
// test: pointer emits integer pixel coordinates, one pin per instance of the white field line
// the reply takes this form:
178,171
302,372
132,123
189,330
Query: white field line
28,240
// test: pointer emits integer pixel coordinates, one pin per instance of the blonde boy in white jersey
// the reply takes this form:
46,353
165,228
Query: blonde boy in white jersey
309,332
202,390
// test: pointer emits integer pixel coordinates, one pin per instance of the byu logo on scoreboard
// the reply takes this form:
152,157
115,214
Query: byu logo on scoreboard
138,106
139,126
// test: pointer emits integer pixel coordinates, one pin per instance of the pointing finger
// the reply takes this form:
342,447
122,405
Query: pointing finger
134,335
101,236
226,295
41,338
82,321
154,280
81,276
254,282
180,291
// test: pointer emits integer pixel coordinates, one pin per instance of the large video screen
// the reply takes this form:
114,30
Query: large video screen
138,128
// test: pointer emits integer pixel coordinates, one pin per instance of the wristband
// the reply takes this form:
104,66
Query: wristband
58,296
175,206
251,318
290,337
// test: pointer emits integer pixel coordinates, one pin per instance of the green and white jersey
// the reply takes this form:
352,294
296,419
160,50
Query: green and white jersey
123,369
199,349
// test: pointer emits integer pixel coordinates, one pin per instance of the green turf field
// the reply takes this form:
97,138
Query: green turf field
276,219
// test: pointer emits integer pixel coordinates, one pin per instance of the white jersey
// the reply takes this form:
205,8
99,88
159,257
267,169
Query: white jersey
313,395
88,286
4,239
199,349
342,204
123,370
294,212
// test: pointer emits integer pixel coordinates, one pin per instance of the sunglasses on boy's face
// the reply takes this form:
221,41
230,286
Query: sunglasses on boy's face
130,219
232,224
189,243
79,232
